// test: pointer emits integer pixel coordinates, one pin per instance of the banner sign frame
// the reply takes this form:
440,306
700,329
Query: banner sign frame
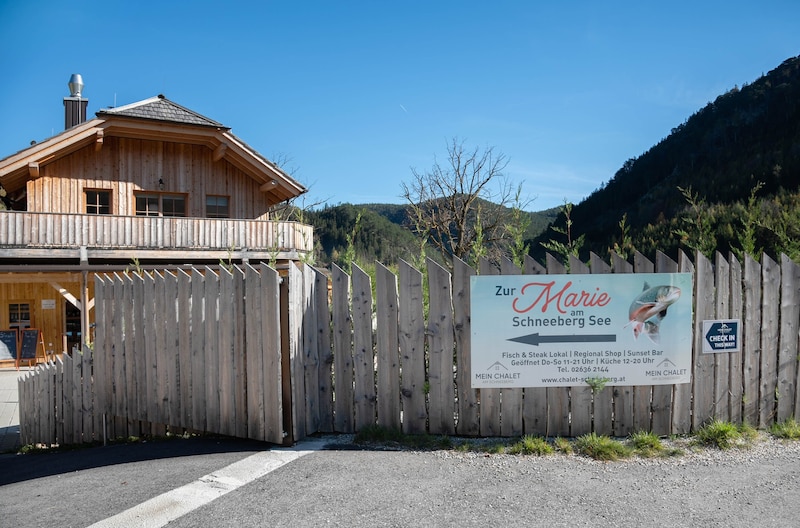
570,330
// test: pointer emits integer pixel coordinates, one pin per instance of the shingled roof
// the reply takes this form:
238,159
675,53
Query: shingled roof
160,108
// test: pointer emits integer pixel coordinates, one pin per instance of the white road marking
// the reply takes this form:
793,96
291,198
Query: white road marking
171,505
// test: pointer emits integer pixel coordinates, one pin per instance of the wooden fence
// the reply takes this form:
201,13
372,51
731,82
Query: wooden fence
248,353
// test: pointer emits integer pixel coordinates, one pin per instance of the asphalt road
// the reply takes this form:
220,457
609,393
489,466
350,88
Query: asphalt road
356,488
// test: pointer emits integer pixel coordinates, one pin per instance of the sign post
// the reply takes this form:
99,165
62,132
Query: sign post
568,330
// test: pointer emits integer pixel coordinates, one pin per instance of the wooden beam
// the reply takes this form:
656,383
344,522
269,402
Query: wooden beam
67,295
269,186
33,170
219,152
98,143
29,277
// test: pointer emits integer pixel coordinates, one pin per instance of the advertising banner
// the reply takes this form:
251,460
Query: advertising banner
574,330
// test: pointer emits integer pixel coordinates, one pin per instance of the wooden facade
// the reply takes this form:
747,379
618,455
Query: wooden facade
143,186
126,166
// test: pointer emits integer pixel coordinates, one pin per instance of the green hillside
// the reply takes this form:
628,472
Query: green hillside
382,233
693,187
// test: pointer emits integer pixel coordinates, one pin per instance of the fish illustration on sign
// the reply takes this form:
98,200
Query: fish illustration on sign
649,308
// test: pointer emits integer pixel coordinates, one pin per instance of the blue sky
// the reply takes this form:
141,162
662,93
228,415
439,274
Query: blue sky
352,95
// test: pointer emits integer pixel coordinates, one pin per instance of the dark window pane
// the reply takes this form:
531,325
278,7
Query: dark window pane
98,202
217,207
147,205
173,205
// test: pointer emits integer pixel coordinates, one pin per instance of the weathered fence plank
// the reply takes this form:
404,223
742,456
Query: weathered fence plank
136,339
468,410
322,331
295,310
736,308
184,309
256,354
211,350
64,392
387,351
703,376
87,403
311,364
165,362
151,412
751,363
198,318
441,405
239,355
786,390
271,376
60,400
117,356
226,377
770,327
722,359
363,352
342,351
412,349
102,341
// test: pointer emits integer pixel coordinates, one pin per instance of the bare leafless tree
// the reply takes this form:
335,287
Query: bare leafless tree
463,208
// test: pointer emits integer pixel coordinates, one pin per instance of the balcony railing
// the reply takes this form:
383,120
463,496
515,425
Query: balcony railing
104,234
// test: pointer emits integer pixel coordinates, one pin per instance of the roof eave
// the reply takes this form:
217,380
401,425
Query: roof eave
15,169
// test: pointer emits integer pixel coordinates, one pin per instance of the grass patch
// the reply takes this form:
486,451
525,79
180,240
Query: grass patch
530,445
716,434
725,435
787,430
646,444
562,445
601,447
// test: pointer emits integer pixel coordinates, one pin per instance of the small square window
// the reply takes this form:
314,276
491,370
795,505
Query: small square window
98,201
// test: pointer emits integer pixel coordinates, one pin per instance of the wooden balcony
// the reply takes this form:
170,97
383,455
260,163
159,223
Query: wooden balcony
27,235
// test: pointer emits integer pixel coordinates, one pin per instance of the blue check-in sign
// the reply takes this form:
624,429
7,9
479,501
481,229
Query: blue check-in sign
722,336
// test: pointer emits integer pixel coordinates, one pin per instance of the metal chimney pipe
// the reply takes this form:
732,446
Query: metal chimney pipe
75,105
75,85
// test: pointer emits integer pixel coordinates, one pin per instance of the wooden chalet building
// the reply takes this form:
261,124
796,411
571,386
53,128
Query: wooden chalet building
150,184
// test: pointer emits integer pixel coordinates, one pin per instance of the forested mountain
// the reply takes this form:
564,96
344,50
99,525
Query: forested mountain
382,232
697,181
727,179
